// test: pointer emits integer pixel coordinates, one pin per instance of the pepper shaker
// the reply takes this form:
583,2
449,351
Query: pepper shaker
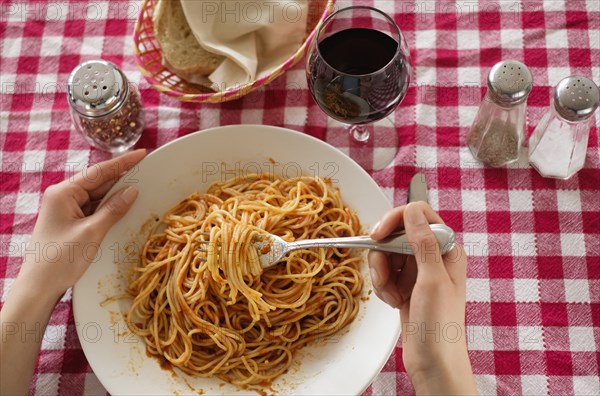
105,107
496,135
558,144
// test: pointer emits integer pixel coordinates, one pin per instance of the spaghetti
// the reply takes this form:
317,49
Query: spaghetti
219,313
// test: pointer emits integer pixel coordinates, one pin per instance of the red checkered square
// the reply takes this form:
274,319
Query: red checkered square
507,362
503,314
554,314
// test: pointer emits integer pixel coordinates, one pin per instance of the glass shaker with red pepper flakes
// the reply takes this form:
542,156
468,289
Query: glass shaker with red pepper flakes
105,107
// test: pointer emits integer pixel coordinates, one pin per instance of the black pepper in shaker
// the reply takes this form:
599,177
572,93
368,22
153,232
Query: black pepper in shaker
497,133
105,107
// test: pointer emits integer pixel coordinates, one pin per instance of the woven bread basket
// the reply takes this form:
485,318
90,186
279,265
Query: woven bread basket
149,58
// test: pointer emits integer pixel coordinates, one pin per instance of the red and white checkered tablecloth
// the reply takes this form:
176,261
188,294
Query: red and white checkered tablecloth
533,310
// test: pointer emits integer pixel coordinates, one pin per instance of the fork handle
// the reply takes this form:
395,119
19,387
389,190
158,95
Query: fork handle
396,242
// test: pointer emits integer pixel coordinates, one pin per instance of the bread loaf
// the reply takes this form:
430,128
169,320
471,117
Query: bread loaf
181,51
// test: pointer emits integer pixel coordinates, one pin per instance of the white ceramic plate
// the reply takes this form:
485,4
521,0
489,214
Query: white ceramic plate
342,364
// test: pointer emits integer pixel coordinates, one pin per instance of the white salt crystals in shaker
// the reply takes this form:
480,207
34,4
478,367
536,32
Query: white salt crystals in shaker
558,144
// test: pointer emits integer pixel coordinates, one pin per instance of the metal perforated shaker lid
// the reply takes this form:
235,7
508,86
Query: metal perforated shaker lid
96,88
576,98
509,82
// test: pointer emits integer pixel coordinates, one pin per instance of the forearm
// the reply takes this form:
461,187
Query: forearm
455,378
24,318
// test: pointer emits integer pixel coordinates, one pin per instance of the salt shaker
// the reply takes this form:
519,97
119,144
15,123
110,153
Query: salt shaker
105,107
496,135
558,144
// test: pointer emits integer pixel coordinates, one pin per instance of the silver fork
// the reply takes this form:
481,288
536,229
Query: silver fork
271,249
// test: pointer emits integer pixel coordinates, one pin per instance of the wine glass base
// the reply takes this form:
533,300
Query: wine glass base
374,153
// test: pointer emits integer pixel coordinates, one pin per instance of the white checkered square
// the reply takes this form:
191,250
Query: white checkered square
466,116
18,244
434,198
385,384
511,38
51,46
209,117
480,338
577,290
572,244
469,76
568,200
76,161
46,83
33,160
475,244
586,385
252,116
168,117
12,48
486,384
520,200
478,290
426,157
57,11
556,38
293,77
467,161
92,45
39,121
467,39
27,203
426,114
8,282
473,200
526,290
425,76
96,11
8,83
530,338
54,337
523,244
534,385
425,39
554,5
47,384
388,192
555,74
295,115
3,122
580,339
67,296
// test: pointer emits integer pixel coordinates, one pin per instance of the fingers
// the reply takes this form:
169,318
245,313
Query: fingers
394,219
97,175
383,282
113,209
424,243
99,193
456,265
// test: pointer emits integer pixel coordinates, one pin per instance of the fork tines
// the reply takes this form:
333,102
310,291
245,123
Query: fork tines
204,243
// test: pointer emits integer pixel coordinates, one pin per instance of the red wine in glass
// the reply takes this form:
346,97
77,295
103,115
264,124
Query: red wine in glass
358,71
359,77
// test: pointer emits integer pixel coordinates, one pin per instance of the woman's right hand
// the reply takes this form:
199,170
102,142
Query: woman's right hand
430,291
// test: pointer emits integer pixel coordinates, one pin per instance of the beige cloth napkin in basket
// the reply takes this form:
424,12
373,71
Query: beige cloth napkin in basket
254,36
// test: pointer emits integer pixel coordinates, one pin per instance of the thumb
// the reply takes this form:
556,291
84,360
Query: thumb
114,208
423,243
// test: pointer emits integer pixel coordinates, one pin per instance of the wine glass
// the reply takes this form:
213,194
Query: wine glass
358,71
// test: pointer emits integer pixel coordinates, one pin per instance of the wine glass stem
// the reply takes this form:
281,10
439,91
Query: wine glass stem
359,132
